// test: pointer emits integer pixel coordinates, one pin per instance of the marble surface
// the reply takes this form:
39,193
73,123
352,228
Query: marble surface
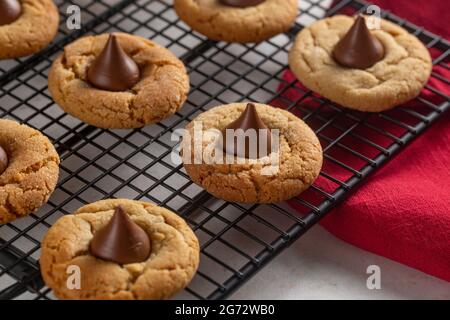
320,266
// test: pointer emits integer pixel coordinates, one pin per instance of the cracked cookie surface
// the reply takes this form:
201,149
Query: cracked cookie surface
161,91
396,79
300,158
33,30
32,172
225,23
172,263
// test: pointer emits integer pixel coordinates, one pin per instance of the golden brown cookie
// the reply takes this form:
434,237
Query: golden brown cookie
233,24
33,30
32,171
172,263
397,78
257,180
162,89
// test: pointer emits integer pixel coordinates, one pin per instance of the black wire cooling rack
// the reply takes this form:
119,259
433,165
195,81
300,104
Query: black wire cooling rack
236,240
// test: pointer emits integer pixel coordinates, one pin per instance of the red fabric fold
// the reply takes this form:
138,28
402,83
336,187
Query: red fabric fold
402,212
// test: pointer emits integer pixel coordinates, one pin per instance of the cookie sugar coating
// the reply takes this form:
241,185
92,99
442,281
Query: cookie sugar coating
34,29
162,89
232,24
300,159
172,263
32,171
397,78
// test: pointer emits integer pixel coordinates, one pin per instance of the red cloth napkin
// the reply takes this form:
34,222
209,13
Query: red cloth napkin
402,211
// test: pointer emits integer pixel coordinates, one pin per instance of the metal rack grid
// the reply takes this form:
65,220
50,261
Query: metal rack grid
236,240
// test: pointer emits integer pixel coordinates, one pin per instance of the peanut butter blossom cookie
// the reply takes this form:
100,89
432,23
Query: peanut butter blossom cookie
123,249
238,20
29,168
283,161
26,26
118,81
362,69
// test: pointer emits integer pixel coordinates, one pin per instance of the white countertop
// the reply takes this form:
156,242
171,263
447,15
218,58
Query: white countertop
320,266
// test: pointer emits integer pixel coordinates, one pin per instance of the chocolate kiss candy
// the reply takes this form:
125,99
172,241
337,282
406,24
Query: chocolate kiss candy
3,160
358,48
113,69
121,240
249,119
241,3
10,11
